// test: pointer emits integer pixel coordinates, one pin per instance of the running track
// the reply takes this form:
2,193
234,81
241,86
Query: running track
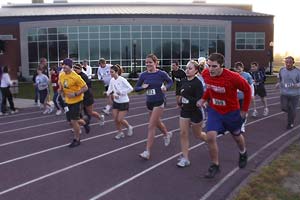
37,164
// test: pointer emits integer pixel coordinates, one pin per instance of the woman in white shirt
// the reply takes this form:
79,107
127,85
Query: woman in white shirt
119,87
6,94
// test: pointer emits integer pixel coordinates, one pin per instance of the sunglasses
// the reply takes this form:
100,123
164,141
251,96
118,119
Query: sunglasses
213,66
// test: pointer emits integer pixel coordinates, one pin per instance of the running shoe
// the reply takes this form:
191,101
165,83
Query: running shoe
119,136
102,120
183,162
243,160
46,111
145,155
290,126
50,109
243,129
213,170
254,113
167,138
14,111
58,112
130,131
66,109
266,112
74,143
106,111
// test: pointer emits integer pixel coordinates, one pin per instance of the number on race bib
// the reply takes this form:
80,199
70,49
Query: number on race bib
184,100
150,92
219,102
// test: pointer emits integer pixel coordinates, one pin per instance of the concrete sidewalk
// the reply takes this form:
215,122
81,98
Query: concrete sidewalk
24,103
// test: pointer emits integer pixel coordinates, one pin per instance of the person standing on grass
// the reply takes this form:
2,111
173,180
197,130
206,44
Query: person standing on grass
105,77
224,113
72,87
289,83
88,98
191,91
177,75
119,87
6,94
259,77
152,80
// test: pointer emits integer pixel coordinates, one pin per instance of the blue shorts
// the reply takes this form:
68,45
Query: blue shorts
220,123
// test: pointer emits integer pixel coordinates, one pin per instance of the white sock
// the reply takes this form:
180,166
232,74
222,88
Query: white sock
244,151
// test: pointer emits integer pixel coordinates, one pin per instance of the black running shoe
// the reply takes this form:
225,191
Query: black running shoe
74,143
212,171
243,160
87,125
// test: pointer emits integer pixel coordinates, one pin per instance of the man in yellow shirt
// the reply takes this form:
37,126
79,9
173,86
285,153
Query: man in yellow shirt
72,87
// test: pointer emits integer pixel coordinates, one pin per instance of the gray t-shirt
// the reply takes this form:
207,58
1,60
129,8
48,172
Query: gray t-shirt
289,81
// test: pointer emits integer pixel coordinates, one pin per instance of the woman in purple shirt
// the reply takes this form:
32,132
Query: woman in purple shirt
152,80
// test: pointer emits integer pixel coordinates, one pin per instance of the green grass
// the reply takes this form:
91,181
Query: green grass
272,181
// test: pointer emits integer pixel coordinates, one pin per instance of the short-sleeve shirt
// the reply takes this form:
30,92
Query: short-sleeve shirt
71,83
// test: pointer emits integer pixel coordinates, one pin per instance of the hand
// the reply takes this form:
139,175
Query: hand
201,103
71,95
145,85
243,114
163,88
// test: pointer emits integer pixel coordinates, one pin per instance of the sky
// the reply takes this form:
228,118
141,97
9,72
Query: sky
286,34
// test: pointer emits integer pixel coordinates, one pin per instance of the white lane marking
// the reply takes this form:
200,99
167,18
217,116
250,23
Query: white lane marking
64,145
74,165
158,164
223,180
60,121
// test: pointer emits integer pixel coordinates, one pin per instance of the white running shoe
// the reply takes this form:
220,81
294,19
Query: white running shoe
243,129
266,112
50,110
254,113
66,109
102,118
130,131
183,162
58,112
145,155
106,111
46,111
167,138
119,136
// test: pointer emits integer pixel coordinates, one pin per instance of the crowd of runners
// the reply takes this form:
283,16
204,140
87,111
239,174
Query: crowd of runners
211,99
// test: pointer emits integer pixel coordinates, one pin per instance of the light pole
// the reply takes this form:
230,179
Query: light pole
271,45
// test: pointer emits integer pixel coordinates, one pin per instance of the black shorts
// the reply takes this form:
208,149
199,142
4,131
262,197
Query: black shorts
196,116
151,105
120,106
260,90
177,91
43,95
88,100
74,111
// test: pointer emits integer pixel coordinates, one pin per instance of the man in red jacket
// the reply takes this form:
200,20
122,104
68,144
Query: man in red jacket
224,113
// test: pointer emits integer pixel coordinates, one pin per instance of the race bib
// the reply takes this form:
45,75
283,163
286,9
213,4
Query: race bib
54,84
184,100
218,102
150,92
288,85
177,79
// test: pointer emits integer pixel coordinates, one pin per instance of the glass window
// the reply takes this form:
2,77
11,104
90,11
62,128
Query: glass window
212,29
73,29
195,35
136,28
146,28
73,36
52,31
43,50
32,38
166,46
185,29
53,53
195,49
136,35
62,37
42,37
73,50
83,29
83,36
156,28
42,31
221,47
115,49
115,35
93,29
204,48
204,29
94,49
104,35
146,47
166,35
203,35
176,49
213,36
195,29
176,34
115,28
83,49
62,30
32,31
212,46
166,28
186,35
125,28
33,52
63,50
249,40
52,37
156,47
176,28
94,36
125,35
104,28
105,49
126,51
185,51
146,34
156,35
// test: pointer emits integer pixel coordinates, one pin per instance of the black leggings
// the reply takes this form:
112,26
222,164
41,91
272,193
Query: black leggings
6,94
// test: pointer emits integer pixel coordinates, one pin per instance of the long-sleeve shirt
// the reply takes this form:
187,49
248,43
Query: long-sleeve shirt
177,76
289,81
120,87
249,79
88,71
191,91
155,81
259,76
5,80
104,74
222,91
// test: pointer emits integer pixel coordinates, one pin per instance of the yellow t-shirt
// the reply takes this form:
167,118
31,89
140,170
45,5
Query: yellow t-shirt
71,83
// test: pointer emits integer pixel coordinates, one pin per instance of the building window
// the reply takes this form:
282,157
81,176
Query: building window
249,41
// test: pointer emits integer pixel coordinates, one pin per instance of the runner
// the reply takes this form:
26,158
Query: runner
151,80
88,98
42,82
177,75
259,78
54,82
119,87
223,111
289,83
239,68
105,77
72,87
190,92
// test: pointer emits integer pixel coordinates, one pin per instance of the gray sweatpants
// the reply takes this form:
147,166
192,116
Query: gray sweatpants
289,105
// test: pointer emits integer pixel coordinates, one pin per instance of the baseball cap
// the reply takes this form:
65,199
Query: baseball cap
68,62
